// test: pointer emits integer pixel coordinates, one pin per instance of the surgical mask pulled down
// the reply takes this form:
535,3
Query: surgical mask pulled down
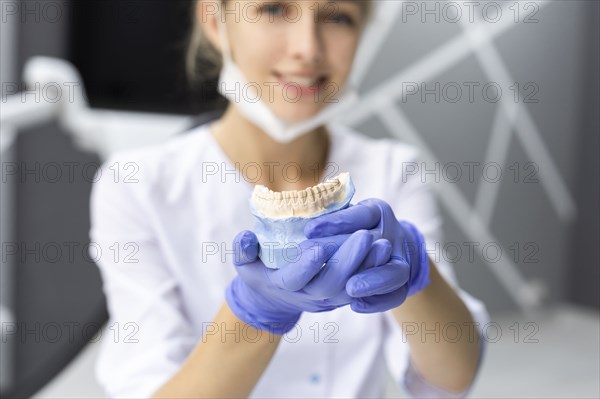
259,113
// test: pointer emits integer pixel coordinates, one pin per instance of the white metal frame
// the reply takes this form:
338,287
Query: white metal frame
55,93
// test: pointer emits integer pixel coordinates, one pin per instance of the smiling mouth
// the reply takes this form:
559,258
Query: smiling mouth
307,84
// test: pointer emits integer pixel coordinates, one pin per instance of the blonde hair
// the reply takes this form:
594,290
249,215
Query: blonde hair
203,61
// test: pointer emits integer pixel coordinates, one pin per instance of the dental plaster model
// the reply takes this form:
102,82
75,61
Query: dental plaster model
281,216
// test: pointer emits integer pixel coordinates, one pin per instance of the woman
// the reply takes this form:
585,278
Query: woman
194,315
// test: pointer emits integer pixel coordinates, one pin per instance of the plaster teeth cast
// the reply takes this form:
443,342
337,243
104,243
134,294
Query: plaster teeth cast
281,216
305,203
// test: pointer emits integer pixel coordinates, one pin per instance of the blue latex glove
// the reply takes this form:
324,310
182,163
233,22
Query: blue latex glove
391,271
273,299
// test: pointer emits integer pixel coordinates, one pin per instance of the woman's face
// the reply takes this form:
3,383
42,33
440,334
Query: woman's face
299,53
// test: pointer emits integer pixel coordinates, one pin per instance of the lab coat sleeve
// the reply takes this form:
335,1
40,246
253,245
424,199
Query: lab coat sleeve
414,201
148,336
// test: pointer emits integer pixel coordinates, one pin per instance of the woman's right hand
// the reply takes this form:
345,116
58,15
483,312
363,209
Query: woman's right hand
274,299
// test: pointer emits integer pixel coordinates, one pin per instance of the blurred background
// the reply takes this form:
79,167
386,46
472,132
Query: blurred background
503,98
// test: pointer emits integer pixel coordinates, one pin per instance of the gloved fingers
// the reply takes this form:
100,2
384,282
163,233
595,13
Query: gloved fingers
345,221
333,276
245,248
378,255
341,299
379,280
249,267
380,303
312,255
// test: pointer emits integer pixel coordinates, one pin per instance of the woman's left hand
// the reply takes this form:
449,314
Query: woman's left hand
397,265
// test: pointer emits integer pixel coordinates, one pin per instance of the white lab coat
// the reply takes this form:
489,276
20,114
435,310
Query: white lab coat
164,218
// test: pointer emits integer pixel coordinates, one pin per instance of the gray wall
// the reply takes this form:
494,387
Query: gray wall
554,56
56,294
584,281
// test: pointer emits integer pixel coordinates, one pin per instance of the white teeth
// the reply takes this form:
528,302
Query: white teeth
303,203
